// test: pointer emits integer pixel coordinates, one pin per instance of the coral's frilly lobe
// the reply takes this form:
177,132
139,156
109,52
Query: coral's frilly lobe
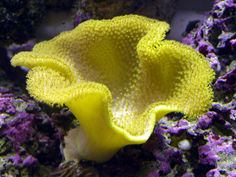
118,77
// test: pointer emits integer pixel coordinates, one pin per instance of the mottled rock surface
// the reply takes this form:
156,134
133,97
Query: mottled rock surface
29,140
161,9
215,37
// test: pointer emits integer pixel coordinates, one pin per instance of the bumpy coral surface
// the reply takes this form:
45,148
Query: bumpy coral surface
118,76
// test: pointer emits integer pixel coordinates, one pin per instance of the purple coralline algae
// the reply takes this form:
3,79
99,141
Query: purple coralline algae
215,131
29,139
227,83
215,37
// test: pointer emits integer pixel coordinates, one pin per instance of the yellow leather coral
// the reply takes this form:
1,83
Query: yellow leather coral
118,77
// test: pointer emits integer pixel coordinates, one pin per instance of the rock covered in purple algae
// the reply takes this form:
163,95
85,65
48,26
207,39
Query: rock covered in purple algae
227,82
86,9
220,149
225,94
213,146
29,139
215,37
213,173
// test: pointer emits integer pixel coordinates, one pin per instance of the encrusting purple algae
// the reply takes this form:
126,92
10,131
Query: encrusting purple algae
215,37
31,139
